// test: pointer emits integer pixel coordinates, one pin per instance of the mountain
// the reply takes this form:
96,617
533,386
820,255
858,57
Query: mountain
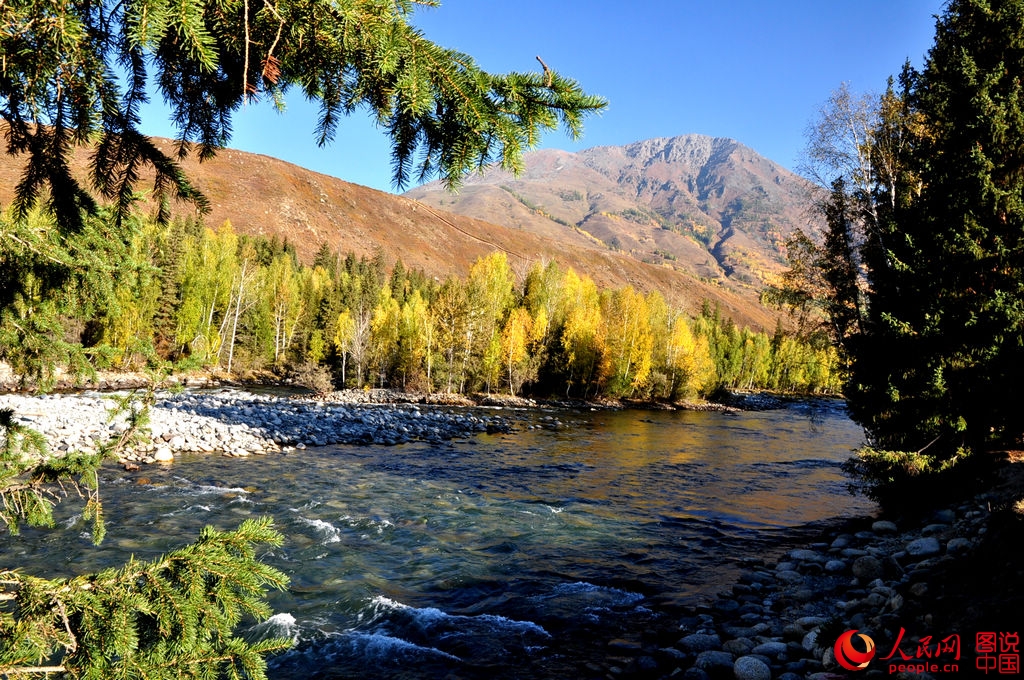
708,206
265,196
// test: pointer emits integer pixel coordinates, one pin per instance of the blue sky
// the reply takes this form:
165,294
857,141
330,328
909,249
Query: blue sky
752,70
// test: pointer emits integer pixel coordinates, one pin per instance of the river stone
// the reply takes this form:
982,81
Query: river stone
867,568
884,527
740,646
163,455
793,631
842,541
790,577
805,555
811,621
810,641
835,566
945,516
957,546
924,547
715,663
696,674
770,649
700,642
750,668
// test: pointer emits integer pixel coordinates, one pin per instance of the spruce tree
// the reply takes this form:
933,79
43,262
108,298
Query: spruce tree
62,87
928,289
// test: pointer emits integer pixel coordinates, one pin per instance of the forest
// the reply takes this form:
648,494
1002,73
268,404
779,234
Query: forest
217,300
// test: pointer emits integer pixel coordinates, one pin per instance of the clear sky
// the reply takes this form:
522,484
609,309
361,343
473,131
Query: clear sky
751,70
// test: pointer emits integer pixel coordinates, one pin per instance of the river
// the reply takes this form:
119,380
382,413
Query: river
509,555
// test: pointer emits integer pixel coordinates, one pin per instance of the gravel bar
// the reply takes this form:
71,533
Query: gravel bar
239,423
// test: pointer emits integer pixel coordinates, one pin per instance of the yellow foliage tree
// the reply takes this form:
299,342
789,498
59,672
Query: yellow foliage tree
630,341
516,339
583,334
691,370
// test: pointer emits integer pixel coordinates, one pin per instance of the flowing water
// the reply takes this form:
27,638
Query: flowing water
512,555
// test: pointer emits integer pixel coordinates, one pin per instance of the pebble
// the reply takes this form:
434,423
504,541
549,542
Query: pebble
835,566
700,642
714,662
772,649
924,547
784,628
239,423
867,568
751,668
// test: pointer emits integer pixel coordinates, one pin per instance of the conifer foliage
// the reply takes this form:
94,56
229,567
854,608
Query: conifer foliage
77,72
173,617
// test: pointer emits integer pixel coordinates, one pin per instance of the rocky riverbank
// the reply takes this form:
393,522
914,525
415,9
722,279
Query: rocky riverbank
239,423
908,584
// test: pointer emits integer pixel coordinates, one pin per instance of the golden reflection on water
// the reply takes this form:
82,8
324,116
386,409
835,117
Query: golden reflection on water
763,468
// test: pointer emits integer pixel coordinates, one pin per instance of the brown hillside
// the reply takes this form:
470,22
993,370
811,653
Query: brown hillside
266,196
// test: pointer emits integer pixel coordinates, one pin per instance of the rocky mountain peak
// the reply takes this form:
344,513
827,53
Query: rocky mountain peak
709,206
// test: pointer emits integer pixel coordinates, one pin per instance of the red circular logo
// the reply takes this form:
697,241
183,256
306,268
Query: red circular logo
848,656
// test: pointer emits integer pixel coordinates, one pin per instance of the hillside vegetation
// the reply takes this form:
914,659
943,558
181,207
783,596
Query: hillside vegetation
263,196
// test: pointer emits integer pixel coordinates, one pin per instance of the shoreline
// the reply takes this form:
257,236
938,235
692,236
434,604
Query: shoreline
239,423
120,381
914,584
236,420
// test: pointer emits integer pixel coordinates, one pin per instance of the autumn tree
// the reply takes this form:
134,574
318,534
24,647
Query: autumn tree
491,288
688,363
450,314
583,336
75,74
517,343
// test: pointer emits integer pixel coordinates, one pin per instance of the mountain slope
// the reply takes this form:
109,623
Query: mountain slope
266,196
710,206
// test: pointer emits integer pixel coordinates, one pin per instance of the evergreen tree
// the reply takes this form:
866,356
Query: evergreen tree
167,257
944,356
923,260
63,87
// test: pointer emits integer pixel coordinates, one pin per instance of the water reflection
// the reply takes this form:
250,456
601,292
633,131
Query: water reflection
433,550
